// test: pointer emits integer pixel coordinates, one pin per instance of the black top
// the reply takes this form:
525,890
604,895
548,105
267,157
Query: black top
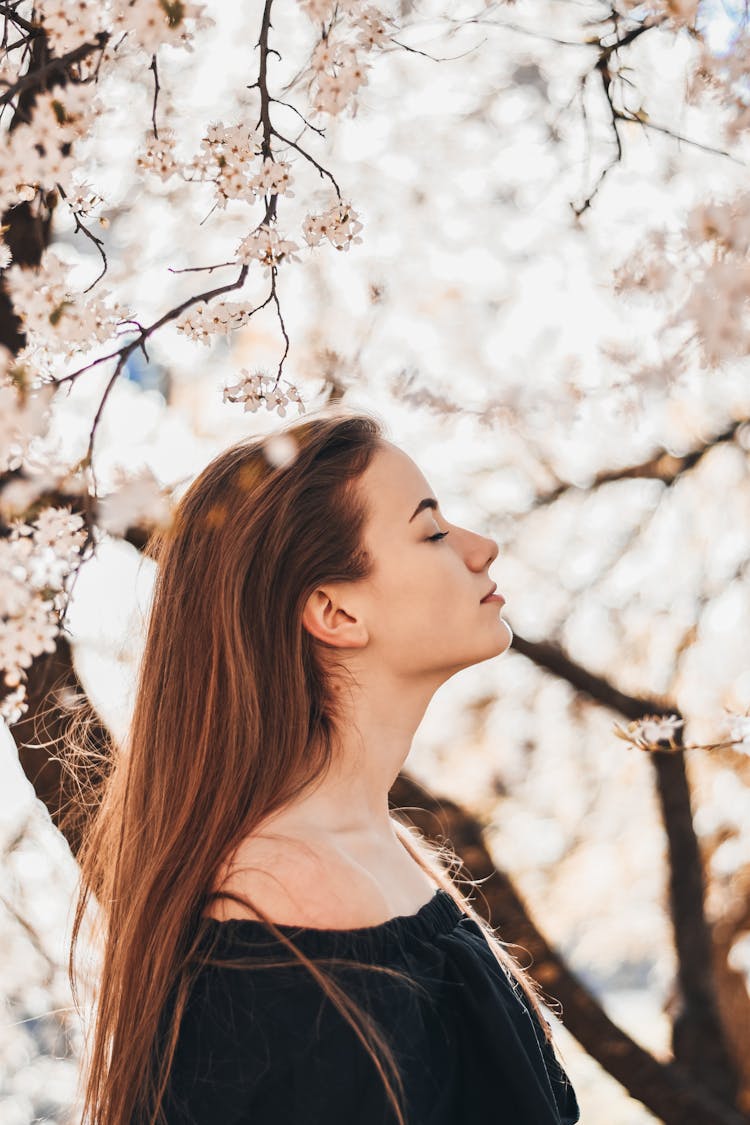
270,1048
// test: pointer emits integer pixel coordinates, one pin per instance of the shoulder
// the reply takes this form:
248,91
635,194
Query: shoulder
293,883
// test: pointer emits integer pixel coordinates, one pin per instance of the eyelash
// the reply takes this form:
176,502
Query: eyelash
440,535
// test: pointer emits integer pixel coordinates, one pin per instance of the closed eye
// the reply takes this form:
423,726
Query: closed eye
440,535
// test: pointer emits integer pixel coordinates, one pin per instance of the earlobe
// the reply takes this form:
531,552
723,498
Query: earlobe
329,622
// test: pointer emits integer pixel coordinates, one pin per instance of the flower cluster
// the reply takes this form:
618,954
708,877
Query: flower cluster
150,23
138,498
158,155
23,412
69,26
739,732
676,12
726,224
339,69
53,316
258,389
339,224
227,153
711,295
40,154
35,561
648,732
339,73
266,246
274,178
204,321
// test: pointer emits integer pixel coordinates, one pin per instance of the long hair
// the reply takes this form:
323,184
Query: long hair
233,718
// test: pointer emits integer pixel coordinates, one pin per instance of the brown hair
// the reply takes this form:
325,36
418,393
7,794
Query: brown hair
233,718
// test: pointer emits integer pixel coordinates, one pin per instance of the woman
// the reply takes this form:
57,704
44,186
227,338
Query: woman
277,946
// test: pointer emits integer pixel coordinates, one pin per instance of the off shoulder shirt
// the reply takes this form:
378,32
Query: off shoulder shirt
268,1046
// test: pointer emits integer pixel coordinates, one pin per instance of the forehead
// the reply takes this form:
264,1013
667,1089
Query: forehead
393,485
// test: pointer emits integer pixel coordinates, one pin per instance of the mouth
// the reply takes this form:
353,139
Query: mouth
491,596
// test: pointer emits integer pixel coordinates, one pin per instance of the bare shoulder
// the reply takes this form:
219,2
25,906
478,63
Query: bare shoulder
290,881
296,882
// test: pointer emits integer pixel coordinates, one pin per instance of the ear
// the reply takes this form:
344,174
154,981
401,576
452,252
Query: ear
324,617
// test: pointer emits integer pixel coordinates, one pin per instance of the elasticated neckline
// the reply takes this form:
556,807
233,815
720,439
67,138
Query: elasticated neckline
439,915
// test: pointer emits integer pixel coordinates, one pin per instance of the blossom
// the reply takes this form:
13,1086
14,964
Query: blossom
227,157
204,321
138,499
334,91
372,26
339,224
273,178
53,314
318,10
23,412
14,705
649,730
36,559
655,728
159,155
150,23
68,26
257,389
739,732
40,153
266,246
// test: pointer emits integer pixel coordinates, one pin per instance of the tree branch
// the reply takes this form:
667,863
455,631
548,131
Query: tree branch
699,1038
671,1091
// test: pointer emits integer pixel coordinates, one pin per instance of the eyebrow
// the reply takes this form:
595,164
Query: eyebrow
428,502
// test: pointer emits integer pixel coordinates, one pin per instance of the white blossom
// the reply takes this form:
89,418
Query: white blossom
71,23
740,732
228,158
266,246
138,498
207,320
372,26
258,389
320,11
339,224
150,23
274,177
24,412
14,705
338,73
35,560
40,153
53,314
655,728
158,155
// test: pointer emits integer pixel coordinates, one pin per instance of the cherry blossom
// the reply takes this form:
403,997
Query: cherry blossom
137,497
220,317
258,389
265,245
35,561
52,315
339,224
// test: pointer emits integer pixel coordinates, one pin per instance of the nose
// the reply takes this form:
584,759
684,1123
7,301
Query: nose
478,558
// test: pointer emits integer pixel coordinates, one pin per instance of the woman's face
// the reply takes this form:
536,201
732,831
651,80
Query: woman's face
421,604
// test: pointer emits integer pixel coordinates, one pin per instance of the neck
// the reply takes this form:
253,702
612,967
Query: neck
375,736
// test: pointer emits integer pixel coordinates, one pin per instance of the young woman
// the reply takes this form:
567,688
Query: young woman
277,947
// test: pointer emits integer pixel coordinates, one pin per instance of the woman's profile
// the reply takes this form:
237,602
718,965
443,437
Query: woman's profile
275,945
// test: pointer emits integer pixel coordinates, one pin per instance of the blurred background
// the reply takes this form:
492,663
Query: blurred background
584,424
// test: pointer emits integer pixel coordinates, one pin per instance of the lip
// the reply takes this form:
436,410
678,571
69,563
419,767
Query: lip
491,597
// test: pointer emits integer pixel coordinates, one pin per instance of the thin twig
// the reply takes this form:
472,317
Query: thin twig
157,87
323,171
